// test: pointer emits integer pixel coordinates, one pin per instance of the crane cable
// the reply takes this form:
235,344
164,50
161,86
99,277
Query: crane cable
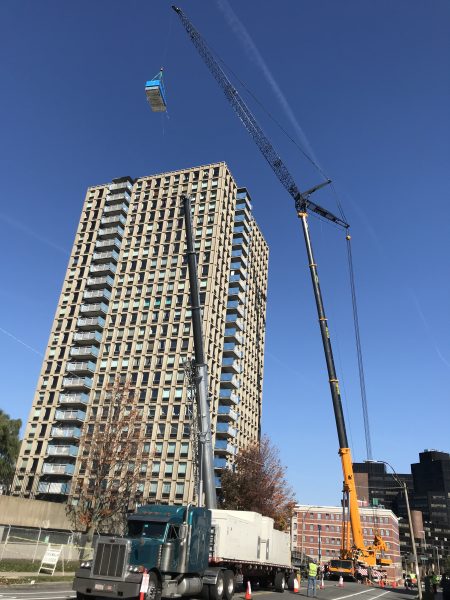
349,256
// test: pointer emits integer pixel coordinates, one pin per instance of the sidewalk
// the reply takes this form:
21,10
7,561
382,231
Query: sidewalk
32,575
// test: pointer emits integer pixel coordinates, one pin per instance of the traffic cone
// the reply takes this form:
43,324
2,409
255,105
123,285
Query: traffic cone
296,589
322,585
381,583
341,581
248,593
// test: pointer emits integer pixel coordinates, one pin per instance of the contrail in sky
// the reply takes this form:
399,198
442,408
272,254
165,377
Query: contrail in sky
254,54
33,234
21,342
428,328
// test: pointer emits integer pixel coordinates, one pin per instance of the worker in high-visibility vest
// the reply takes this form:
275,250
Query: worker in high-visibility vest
312,579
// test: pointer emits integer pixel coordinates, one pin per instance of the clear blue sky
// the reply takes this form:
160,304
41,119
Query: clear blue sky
367,82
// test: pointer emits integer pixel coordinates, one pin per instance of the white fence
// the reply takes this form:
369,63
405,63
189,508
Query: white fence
20,543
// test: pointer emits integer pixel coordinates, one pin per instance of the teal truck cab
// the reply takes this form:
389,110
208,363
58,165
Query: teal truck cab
175,551
165,553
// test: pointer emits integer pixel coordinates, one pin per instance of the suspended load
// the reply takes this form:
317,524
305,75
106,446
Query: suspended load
156,94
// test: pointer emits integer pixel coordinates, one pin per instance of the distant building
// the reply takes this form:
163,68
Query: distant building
431,477
124,313
429,496
320,528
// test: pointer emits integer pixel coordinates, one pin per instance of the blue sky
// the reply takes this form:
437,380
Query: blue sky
364,86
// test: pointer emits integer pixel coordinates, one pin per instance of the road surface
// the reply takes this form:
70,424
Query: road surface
350,591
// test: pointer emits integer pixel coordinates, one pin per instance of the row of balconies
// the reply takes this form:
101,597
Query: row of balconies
86,340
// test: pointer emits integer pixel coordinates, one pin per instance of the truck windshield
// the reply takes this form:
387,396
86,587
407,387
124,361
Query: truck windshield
146,529
341,564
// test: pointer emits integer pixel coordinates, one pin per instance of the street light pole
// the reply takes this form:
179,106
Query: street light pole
303,528
403,485
319,527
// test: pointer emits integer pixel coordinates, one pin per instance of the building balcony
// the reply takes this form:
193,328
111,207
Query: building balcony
230,365
70,415
115,209
110,232
66,432
94,309
238,280
121,189
230,350
239,241
90,323
235,306
233,319
223,447
97,283
54,487
229,380
224,429
73,383
235,293
239,269
241,231
74,399
91,337
103,268
232,333
221,463
58,469
106,257
113,242
56,450
113,220
96,295
240,258
226,413
228,396
83,368
84,352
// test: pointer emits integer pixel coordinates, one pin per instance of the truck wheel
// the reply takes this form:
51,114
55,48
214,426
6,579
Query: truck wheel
228,583
154,589
279,582
216,590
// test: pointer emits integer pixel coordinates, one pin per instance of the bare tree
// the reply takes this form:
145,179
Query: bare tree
258,483
108,478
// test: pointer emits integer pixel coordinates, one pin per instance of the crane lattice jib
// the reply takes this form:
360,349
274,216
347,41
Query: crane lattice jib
248,120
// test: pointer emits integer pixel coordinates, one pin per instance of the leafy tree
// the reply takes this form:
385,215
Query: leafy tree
9,449
108,477
258,483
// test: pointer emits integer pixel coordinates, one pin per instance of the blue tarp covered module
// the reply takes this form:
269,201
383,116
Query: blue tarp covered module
156,94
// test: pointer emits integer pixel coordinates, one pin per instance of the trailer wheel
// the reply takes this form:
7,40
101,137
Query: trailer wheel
228,582
280,582
217,589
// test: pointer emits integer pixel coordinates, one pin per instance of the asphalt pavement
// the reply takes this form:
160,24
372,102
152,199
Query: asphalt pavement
331,591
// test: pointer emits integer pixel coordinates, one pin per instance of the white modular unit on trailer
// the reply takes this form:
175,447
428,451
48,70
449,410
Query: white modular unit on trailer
248,537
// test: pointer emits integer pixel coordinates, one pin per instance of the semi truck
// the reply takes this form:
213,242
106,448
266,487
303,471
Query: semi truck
174,551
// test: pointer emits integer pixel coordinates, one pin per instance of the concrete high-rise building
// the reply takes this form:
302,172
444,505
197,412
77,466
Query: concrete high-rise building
124,314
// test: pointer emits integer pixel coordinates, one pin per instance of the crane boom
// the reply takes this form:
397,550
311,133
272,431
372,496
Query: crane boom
303,204
252,126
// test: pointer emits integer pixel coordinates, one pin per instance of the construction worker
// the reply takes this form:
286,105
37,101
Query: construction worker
312,579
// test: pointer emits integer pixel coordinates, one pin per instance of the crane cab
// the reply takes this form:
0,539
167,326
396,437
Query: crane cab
156,93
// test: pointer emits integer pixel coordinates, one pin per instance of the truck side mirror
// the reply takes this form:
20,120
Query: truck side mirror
183,531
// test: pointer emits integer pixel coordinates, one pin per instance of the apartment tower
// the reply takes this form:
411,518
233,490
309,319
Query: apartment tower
124,314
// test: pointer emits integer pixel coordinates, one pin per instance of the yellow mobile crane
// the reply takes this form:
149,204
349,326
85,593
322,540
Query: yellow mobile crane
369,555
